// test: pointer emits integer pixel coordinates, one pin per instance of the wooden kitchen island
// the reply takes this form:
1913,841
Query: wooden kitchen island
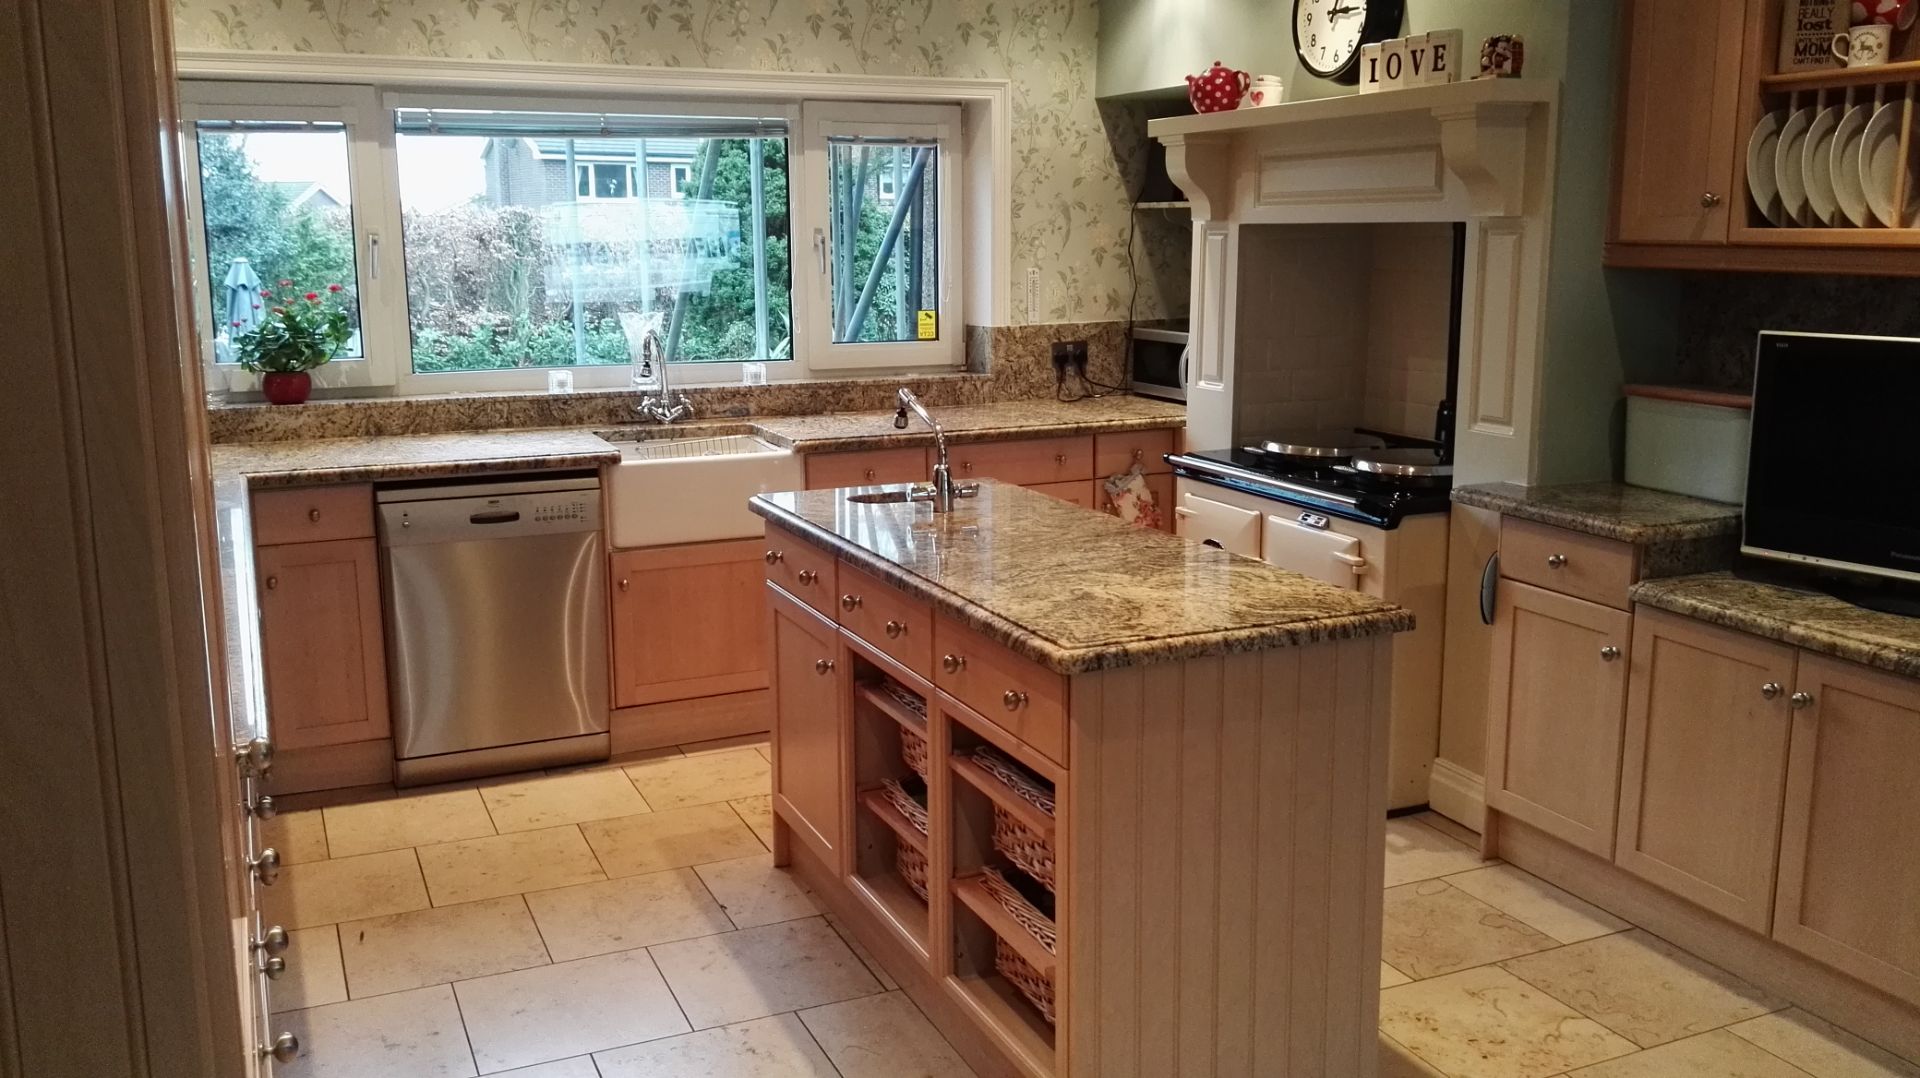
1105,802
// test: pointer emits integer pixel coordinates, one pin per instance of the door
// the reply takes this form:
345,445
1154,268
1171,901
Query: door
1850,846
688,621
321,642
1215,523
1705,762
809,684
1558,697
1679,121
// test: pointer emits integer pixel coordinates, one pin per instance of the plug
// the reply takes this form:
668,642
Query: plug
1062,359
1078,356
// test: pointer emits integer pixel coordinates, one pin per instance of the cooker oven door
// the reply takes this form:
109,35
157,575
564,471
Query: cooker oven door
1319,552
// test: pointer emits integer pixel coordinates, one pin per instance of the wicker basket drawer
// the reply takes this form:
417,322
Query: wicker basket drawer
887,618
1014,693
805,571
1569,562
312,514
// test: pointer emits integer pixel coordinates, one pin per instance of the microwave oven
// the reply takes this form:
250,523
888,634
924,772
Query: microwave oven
1157,363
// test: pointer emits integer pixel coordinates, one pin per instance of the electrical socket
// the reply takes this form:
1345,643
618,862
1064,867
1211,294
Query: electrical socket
1062,359
1076,355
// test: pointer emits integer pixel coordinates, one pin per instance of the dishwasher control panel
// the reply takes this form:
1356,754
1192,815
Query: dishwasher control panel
415,515
574,509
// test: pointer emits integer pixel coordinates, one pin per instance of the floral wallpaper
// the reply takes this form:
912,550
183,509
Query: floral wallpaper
1070,204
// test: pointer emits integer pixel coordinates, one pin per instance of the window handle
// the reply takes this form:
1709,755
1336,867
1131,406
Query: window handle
820,248
373,256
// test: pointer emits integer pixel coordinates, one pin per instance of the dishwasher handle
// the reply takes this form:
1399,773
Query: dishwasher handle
494,516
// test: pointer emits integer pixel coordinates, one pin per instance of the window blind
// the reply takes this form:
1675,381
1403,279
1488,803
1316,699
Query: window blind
415,120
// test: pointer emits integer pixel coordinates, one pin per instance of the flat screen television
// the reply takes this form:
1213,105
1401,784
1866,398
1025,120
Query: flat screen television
1833,473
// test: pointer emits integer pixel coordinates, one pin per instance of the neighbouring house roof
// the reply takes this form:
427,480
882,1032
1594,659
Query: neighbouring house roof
306,194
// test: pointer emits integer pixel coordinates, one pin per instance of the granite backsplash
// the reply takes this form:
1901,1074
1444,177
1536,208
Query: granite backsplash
1722,312
1003,363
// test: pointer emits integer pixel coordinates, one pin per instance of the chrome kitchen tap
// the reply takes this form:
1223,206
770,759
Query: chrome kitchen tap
669,406
943,490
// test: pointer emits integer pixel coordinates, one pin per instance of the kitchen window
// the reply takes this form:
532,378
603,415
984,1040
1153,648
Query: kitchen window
484,240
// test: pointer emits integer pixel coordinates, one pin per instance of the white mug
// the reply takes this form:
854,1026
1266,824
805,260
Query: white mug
1866,45
1263,90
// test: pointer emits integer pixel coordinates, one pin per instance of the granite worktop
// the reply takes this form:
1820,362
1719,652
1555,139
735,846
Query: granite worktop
1813,620
1074,589
1609,510
838,431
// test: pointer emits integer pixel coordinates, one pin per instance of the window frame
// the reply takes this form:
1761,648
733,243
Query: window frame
942,124
357,107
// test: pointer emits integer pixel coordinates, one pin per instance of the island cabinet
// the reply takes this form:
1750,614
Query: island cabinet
1129,865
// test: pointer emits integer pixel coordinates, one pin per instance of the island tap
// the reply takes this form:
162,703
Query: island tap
668,406
943,490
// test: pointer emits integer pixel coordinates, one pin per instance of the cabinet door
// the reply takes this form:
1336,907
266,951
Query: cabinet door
1229,527
688,621
1679,118
1850,847
1705,760
321,642
1558,696
809,678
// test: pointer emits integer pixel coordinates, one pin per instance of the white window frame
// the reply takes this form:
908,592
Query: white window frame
681,173
812,220
632,191
357,107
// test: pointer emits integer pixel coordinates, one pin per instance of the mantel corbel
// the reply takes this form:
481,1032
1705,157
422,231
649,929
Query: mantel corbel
1198,164
1485,146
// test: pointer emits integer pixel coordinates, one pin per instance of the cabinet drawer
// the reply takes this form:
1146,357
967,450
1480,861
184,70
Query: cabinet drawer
803,570
1084,493
312,514
1028,463
887,618
1584,566
830,470
1115,453
1014,693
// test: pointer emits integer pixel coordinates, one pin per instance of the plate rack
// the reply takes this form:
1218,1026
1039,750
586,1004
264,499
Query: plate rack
1895,85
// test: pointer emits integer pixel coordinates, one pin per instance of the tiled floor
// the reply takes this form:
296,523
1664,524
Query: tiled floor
624,920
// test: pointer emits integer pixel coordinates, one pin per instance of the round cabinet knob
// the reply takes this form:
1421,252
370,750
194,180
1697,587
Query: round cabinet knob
256,756
1556,561
1609,653
894,629
850,603
272,582
823,666
1771,690
1800,701
953,664
1709,200
313,515
283,1049
1013,699
625,583
868,474
773,557
262,807
274,941
1059,458
966,466
807,576
272,968
266,867
1139,453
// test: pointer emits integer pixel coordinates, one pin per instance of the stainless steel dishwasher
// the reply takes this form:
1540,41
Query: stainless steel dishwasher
495,597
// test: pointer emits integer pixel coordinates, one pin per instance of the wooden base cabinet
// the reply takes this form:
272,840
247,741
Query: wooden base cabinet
1849,892
688,621
1557,702
321,643
1705,762
809,708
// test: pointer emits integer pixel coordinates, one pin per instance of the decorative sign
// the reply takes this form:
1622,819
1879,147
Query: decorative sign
619,251
1415,60
1806,33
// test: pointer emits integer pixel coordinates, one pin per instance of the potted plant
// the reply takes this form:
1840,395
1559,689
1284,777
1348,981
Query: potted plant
301,332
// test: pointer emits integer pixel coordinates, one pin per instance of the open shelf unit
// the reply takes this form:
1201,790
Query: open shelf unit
885,721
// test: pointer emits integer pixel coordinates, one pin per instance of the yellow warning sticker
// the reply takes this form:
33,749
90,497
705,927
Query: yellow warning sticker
929,325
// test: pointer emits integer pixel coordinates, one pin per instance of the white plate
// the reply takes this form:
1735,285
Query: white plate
1880,162
1761,182
1786,165
1816,165
1846,166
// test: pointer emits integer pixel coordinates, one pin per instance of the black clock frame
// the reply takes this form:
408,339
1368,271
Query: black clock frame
1383,21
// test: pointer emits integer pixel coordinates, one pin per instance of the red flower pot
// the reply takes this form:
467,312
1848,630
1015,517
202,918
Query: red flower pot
282,388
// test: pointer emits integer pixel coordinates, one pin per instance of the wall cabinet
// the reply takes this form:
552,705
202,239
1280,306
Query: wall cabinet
321,642
688,621
1850,850
1705,759
809,685
1679,114
1558,699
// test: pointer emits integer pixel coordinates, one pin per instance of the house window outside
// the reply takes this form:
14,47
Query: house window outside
604,180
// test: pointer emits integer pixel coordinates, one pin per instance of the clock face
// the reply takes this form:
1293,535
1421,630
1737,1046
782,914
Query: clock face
1328,33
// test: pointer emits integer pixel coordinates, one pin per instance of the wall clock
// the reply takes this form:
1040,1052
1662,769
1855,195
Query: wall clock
1327,34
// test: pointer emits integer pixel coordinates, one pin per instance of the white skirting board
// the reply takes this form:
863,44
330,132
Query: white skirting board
1458,794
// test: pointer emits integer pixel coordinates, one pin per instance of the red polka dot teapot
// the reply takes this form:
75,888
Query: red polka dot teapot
1217,89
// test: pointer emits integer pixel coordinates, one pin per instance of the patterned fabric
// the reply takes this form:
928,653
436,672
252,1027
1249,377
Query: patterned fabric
1133,501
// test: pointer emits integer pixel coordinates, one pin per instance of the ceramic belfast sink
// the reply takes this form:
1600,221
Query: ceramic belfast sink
693,490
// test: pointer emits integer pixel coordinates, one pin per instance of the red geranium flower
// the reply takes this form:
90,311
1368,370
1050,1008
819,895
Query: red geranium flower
264,294
313,297
333,288
286,282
